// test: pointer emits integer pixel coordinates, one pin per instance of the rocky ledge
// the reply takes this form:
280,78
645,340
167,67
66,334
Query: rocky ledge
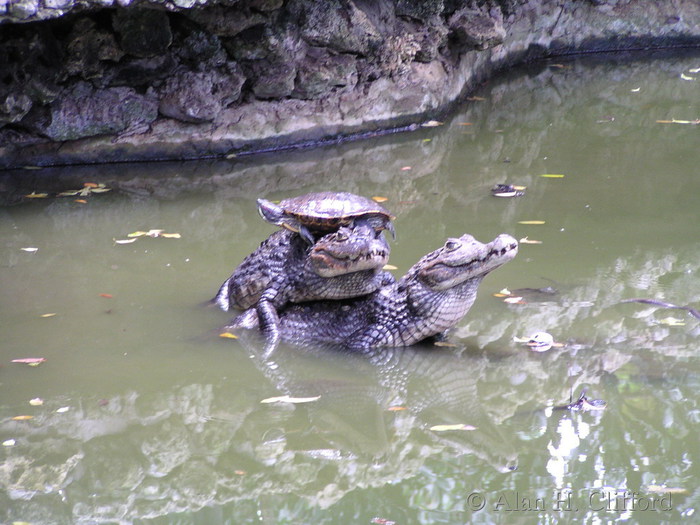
86,81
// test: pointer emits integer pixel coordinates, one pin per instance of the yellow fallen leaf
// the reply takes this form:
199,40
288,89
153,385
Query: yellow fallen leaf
531,222
432,124
48,315
377,198
477,99
90,185
289,399
101,189
36,402
686,77
69,193
171,235
672,321
30,249
514,300
22,418
137,234
525,240
80,201
694,70
389,267
228,335
9,443
240,472
62,410
124,241
396,408
34,195
662,489
552,176
458,426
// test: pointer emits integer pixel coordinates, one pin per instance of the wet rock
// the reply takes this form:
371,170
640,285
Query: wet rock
475,29
140,72
87,47
83,112
202,50
143,32
13,107
200,96
337,25
219,21
272,80
423,10
321,74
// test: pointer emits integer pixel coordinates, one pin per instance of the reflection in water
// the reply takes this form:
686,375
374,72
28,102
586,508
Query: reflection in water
164,426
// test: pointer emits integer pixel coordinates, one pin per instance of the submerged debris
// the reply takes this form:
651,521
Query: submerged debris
583,404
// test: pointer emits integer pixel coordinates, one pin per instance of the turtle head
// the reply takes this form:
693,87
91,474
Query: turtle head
271,212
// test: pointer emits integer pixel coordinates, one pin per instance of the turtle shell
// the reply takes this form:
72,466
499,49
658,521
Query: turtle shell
328,210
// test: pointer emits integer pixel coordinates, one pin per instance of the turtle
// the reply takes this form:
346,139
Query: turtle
325,212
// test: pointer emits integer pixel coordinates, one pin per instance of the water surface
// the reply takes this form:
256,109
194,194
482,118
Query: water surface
149,417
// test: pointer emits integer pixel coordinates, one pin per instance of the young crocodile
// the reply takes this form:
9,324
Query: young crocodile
432,297
284,269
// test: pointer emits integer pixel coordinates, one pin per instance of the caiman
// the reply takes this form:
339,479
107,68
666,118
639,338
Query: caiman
432,297
284,269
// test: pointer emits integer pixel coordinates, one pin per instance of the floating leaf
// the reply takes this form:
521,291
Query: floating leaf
107,295
240,472
377,198
80,201
228,335
124,241
635,90
91,185
686,77
30,249
22,418
477,99
47,315
389,267
552,176
9,443
525,240
31,361
466,123
676,121
531,222
137,234
694,70
663,489
445,343
406,168
171,235
396,408
36,402
672,321
432,124
289,399
514,300
458,426
69,193
62,410
34,195
101,189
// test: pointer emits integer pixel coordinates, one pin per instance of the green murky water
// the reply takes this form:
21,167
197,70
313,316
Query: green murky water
149,418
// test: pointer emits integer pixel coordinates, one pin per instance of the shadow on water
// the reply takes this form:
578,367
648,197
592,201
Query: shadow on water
146,421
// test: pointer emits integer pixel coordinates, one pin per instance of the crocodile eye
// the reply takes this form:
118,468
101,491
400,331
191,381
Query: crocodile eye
341,236
452,245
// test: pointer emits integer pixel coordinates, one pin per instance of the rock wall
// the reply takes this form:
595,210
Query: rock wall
85,81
